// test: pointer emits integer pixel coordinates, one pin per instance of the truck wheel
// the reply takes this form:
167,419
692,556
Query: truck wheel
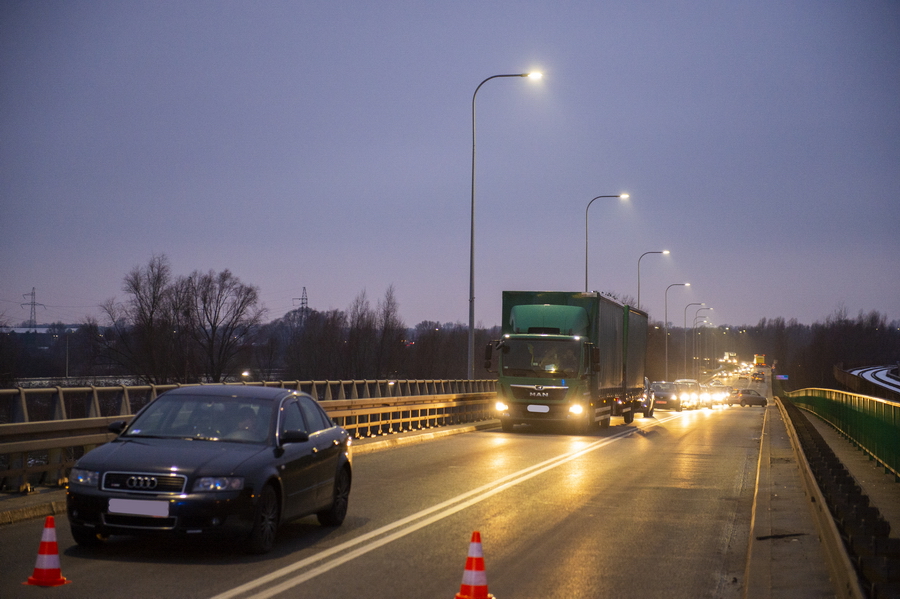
629,416
507,426
604,424
589,426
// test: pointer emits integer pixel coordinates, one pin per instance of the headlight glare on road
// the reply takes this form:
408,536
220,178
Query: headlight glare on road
88,478
219,483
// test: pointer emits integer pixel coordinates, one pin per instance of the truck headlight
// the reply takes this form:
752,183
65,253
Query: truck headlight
501,407
576,409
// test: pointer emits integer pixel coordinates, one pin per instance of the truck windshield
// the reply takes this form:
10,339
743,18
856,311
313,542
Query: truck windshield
543,358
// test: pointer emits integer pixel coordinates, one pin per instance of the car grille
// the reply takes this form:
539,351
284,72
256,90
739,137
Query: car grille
126,521
144,482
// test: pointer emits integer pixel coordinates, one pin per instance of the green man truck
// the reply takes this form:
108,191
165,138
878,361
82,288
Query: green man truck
569,357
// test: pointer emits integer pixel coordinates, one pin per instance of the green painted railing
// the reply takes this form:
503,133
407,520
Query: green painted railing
871,423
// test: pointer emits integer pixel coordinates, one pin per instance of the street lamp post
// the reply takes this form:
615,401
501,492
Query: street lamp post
471,366
624,196
685,370
639,274
695,345
667,321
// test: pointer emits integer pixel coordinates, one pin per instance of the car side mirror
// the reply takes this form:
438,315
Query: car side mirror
294,437
117,427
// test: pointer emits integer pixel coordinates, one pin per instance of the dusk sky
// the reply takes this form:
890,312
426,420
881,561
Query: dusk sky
328,145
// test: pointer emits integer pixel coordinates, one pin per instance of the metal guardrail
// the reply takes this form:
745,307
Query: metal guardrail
42,451
858,384
873,424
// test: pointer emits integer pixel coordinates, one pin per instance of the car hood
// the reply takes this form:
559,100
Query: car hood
214,458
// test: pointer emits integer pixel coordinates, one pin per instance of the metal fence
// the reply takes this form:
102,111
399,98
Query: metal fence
871,423
44,431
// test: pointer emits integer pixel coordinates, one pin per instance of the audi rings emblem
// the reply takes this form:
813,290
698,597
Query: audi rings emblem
145,483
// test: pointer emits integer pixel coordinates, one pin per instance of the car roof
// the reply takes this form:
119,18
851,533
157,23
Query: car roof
249,391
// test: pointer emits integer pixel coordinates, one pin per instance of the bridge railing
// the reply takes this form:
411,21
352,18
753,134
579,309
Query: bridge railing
46,430
871,423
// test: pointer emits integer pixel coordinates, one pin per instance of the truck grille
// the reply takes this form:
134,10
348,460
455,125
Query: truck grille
538,393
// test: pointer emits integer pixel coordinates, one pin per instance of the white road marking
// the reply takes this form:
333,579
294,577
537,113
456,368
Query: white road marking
412,523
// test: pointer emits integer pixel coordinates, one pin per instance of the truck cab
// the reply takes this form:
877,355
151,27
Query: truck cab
561,359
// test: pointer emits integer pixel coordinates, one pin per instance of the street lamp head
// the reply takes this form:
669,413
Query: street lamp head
624,196
666,252
533,75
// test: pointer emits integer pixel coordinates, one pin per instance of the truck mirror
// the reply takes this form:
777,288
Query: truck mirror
488,351
595,357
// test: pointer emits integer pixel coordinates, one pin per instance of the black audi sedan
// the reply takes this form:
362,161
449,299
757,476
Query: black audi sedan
209,459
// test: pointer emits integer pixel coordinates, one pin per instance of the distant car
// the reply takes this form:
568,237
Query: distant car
647,402
706,397
689,392
666,396
758,377
236,460
747,397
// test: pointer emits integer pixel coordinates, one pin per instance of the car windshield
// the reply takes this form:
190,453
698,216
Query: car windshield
664,387
547,358
204,418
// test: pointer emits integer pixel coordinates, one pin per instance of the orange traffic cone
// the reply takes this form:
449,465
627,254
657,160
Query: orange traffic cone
46,570
474,582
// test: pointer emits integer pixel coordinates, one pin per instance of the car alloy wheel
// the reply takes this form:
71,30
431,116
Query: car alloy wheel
334,516
265,522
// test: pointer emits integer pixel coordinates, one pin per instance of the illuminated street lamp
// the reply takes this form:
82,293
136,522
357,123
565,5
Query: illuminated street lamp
532,75
686,337
694,344
639,274
667,321
624,196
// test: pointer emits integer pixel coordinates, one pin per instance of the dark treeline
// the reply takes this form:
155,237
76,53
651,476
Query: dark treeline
208,327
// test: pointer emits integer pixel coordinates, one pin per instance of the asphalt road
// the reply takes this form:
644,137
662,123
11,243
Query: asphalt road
660,508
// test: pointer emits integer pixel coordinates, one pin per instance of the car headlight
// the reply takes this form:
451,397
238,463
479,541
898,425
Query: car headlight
219,483
80,476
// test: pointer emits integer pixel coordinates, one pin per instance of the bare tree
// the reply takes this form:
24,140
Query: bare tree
391,331
222,316
361,338
140,332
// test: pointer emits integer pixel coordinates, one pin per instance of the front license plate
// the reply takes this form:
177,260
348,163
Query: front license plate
660,401
538,408
139,507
